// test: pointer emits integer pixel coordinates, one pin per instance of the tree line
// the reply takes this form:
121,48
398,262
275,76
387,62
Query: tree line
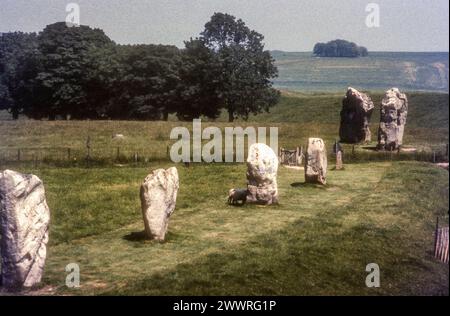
339,48
80,73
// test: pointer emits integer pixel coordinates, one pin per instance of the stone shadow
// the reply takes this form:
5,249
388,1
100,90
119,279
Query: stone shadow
136,236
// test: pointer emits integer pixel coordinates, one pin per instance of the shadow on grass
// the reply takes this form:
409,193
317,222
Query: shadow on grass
141,238
237,204
308,185
136,236
373,148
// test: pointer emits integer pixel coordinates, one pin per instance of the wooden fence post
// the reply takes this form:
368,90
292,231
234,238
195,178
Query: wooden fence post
88,147
436,231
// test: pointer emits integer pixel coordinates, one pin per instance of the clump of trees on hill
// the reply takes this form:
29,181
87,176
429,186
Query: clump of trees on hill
339,48
78,72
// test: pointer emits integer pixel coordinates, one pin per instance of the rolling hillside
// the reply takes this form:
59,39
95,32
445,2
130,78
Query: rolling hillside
377,72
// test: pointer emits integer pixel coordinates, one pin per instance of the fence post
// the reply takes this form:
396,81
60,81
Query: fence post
68,154
436,236
18,154
88,147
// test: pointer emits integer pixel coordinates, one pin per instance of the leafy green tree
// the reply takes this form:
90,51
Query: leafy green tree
16,49
246,68
199,87
144,83
62,86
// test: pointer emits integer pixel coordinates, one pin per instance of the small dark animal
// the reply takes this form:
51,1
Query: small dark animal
236,195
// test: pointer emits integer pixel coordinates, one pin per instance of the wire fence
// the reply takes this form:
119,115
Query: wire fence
82,156
97,155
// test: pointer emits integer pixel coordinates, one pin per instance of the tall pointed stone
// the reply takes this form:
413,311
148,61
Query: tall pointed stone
158,199
24,226
316,161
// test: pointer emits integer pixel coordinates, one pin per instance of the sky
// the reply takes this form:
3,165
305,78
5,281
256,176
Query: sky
289,25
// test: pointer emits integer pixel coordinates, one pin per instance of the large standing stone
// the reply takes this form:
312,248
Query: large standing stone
394,109
24,223
262,167
316,161
158,198
356,111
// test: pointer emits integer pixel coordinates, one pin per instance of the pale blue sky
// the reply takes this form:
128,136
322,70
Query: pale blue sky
290,25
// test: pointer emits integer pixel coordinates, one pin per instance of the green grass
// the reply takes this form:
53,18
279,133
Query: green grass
377,72
298,116
317,241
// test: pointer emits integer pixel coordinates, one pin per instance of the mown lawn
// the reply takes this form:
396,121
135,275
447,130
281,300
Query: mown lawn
316,242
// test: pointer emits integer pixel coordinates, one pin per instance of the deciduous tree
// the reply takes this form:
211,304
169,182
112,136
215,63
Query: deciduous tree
246,68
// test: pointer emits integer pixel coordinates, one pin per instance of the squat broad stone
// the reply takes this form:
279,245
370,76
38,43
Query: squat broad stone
24,225
316,161
262,167
158,199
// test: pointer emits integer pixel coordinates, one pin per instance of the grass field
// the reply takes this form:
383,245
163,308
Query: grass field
298,116
377,72
317,241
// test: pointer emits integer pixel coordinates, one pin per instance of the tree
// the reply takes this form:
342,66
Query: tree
62,84
247,69
319,49
144,83
339,48
16,49
199,88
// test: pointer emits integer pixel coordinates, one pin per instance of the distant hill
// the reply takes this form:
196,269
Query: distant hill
339,48
376,72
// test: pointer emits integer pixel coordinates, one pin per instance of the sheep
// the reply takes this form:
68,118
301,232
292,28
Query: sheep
236,195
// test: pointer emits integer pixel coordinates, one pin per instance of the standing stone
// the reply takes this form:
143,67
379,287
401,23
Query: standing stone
316,161
338,151
24,225
394,109
262,167
158,198
339,164
356,111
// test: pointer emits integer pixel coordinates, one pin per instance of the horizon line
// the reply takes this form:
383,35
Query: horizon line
370,51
